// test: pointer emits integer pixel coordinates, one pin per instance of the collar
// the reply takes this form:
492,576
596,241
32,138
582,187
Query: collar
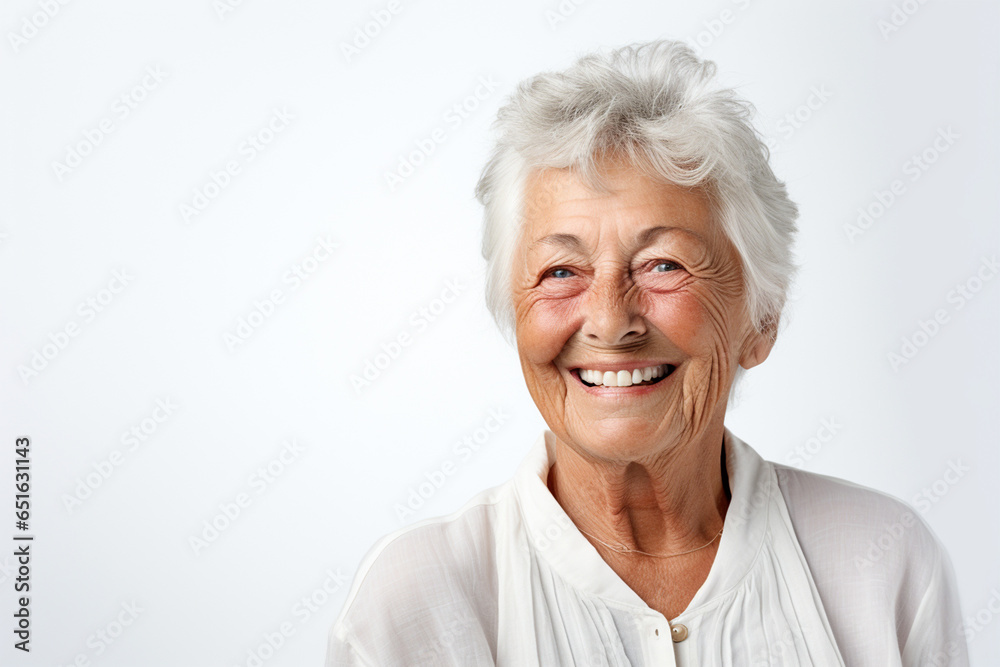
555,538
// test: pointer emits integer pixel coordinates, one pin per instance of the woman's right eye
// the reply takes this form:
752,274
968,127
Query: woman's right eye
560,273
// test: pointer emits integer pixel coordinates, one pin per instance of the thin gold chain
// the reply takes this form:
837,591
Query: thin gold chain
626,550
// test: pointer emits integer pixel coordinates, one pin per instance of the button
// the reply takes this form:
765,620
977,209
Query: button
679,632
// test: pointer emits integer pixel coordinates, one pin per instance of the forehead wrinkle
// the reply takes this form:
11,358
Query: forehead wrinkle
606,210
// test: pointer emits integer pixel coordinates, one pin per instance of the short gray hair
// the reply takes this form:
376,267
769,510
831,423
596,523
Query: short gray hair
655,105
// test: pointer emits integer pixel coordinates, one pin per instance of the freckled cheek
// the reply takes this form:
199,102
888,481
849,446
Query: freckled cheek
546,327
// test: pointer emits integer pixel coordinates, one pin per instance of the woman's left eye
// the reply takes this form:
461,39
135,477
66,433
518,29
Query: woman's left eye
560,273
664,266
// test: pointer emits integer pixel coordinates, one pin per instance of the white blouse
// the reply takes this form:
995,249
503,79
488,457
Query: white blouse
810,570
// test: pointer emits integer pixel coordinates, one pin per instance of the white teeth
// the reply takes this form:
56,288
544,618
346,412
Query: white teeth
623,378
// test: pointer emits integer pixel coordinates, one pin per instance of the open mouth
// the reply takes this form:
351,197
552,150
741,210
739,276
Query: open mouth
624,378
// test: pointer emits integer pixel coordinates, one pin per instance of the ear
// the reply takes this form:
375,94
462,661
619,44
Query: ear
757,344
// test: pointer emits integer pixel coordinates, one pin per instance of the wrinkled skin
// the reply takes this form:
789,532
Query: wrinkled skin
594,282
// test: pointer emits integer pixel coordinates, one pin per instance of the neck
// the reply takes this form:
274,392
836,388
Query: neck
672,502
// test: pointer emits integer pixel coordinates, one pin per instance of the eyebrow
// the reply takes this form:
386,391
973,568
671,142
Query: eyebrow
568,240
646,237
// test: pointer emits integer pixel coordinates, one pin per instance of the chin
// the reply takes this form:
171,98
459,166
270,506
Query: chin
613,438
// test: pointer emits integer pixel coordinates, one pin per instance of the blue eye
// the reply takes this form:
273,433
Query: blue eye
670,266
560,273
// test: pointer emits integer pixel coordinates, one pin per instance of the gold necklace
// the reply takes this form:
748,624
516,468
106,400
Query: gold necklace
622,549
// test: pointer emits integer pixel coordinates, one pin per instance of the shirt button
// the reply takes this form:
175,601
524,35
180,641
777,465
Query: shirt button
679,632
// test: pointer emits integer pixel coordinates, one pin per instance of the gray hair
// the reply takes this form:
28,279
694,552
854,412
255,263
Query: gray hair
654,105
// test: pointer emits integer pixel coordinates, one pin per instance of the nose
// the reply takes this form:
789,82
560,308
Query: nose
611,311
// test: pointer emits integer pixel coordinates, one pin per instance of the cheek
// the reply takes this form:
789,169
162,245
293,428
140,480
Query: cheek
697,323
684,320
544,327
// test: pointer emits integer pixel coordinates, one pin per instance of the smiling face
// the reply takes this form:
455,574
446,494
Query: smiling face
630,314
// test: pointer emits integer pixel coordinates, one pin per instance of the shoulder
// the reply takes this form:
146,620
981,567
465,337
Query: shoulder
879,568
426,591
874,529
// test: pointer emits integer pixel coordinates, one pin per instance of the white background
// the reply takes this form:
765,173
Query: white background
886,95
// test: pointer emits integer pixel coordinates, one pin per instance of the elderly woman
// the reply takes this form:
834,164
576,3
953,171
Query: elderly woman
638,248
